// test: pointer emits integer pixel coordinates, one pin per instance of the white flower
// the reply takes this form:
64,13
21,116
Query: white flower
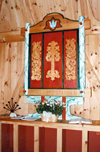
46,101
58,102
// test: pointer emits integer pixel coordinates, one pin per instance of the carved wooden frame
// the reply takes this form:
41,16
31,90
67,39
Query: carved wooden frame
64,24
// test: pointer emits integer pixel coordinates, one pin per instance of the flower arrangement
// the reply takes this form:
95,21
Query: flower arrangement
53,107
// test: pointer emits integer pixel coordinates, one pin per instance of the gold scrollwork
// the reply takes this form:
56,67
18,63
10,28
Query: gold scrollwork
70,59
36,61
52,56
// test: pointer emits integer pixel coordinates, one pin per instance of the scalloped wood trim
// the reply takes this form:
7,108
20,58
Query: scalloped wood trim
66,24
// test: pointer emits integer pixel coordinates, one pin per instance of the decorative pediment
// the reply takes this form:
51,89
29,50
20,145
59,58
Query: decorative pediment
61,24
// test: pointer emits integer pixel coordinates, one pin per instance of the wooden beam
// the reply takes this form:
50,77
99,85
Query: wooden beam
13,36
55,92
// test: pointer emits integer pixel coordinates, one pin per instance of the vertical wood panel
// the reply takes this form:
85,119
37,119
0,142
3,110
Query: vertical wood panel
7,73
84,140
15,137
59,139
14,76
2,77
36,139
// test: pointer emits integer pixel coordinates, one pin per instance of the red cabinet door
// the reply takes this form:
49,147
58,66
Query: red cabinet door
26,138
47,140
7,137
93,141
71,141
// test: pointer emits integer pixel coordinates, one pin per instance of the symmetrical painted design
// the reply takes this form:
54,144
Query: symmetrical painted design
52,24
81,56
70,59
27,26
36,61
52,56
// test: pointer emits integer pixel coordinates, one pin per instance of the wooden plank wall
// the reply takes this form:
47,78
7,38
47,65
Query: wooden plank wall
91,107
13,15
12,76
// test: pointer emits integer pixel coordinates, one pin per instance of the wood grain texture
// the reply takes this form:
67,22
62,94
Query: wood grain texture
12,76
13,36
55,92
13,16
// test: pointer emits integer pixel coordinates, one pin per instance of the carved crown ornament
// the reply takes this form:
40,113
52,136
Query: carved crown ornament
53,24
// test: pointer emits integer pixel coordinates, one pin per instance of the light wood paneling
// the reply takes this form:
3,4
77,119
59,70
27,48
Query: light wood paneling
12,75
13,16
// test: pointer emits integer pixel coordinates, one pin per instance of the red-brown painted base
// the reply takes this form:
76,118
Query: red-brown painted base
47,140
93,141
26,138
71,141
7,137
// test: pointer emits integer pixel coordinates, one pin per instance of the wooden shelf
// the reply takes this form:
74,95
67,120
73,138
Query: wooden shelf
55,92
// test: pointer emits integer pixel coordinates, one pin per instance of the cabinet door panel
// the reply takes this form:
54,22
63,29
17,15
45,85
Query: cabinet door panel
93,141
26,138
71,141
47,140
7,137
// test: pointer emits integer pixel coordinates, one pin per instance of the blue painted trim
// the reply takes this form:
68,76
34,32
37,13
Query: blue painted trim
81,56
27,27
